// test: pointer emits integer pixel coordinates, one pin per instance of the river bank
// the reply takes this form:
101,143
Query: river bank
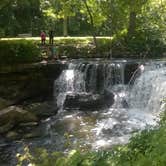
83,103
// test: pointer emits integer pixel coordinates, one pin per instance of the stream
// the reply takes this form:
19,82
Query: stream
101,104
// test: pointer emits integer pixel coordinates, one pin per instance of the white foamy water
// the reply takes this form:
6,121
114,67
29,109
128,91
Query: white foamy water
69,82
135,107
145,102
149,90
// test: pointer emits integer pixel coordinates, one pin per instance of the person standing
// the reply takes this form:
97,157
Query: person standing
43,37
51,37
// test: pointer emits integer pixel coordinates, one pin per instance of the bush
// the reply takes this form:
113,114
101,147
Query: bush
145,148
83,48
144,43
18,51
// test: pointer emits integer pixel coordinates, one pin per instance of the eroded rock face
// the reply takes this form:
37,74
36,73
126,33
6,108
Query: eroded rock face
87,101
42,109
130,69
4,103
36,80
11,116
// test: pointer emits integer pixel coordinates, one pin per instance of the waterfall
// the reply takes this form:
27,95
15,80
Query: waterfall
88,77
101,104
138,91
149,89
70,81
144,100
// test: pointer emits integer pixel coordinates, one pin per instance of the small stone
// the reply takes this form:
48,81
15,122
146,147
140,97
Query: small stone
31,135
6,127
12,135
28,124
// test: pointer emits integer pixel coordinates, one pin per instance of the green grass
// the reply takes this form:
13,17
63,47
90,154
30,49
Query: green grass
83,39
83,47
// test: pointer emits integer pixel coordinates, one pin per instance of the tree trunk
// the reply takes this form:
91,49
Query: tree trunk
132,24
92,23
65,30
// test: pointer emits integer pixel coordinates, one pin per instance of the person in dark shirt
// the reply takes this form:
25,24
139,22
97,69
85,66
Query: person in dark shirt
51,37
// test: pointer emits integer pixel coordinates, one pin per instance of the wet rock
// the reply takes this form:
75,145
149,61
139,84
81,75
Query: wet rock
28,82
31,135
125,104
108,98
42,110
129,72
7,126
29,124
37,132
12,135
11,116
4,103
88,101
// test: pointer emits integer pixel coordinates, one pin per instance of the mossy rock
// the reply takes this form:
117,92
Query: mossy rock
11,116
4,103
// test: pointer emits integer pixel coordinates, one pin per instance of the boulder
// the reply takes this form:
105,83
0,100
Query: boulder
11,116
33,134
6,126
4,103
42,110
12,135
87,101
19,83
108,98
130,72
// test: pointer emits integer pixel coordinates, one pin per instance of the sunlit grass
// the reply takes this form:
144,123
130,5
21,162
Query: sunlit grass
57,38
62,40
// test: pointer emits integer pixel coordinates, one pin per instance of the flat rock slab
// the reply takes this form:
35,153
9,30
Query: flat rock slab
85,101
11,116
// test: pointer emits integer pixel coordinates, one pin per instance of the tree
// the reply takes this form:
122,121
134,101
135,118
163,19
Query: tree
14,13
62,9
135,7
93,11
5,3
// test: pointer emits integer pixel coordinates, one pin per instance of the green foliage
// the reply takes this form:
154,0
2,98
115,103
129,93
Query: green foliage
145,148
18,51
144,43
13,14
83,48
110,17
42,157
96,11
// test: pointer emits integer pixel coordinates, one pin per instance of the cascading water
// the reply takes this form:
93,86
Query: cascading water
89,77
100,104
149,89
70,81
144,101
135,106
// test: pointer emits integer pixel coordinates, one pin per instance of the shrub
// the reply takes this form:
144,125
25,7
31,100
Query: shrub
18,51
146,42
143,43
145,148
